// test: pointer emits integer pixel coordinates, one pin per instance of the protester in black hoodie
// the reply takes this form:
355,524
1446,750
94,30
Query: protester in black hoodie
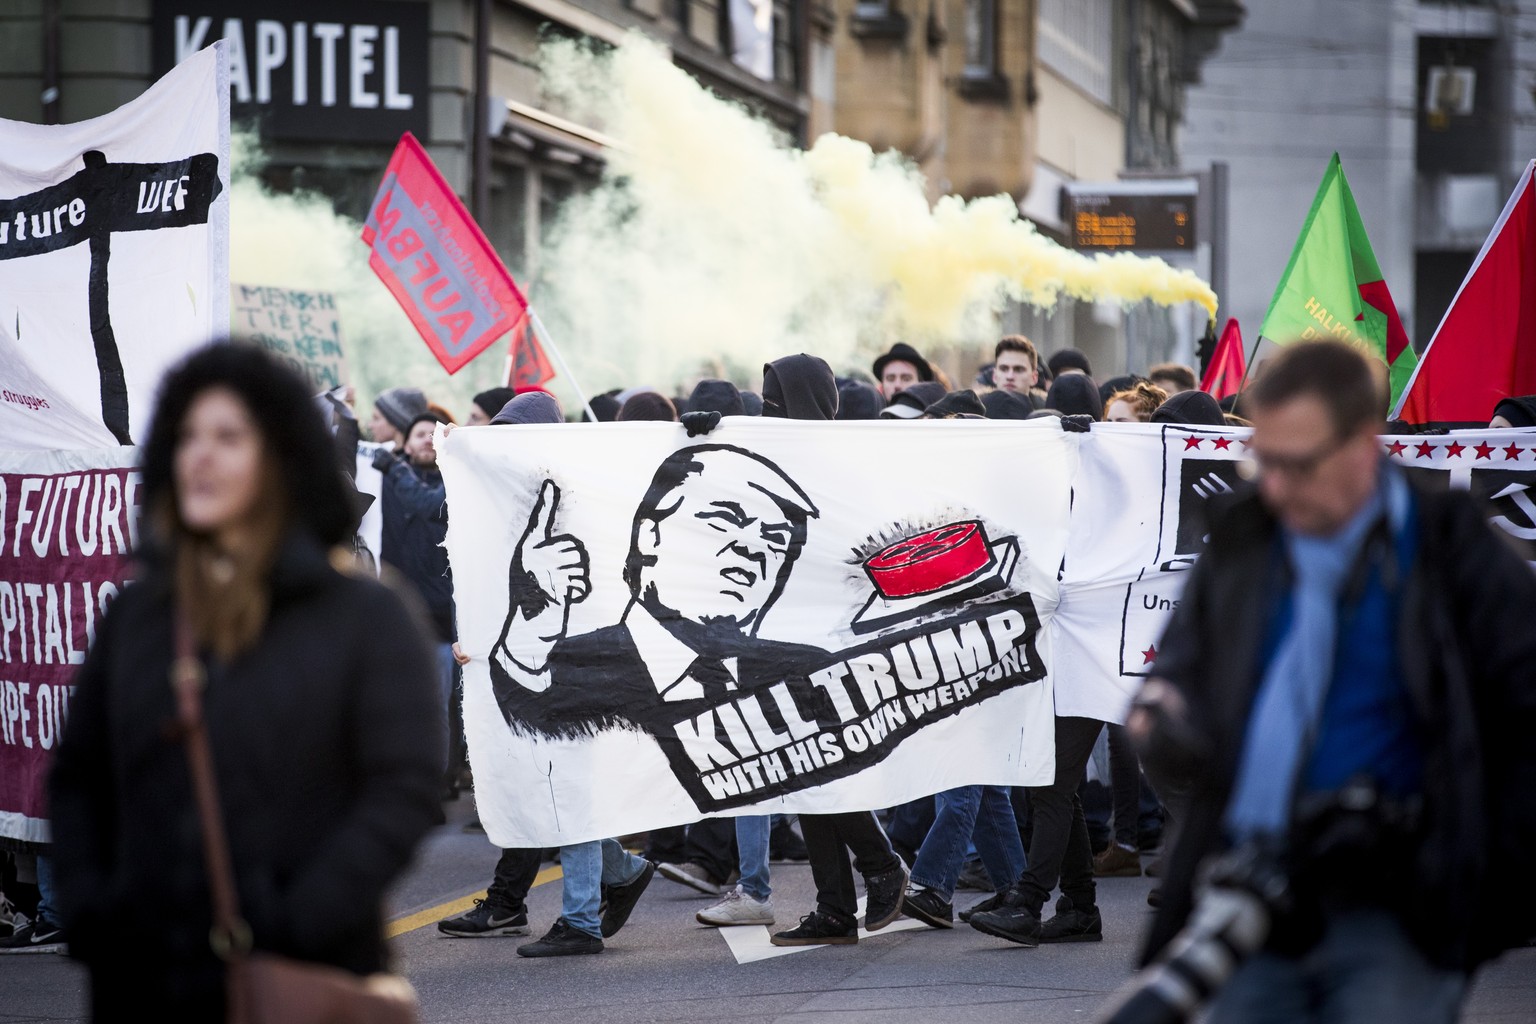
799,387
1075,395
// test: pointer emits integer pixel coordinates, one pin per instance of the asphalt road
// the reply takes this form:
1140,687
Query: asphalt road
665,967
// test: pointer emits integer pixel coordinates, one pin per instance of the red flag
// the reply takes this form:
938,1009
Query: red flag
1485,347
1229,364
527,365
433,257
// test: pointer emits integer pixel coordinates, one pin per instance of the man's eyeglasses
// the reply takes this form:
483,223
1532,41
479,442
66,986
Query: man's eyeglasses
1297,467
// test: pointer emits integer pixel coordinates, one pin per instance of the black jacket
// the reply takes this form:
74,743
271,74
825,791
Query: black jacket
1468,657
325,738
414,524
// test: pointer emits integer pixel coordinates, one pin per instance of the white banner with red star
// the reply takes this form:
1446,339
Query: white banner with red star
1138,524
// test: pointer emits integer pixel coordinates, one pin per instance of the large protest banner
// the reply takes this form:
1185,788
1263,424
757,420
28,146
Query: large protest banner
301,328
663,627
1139,522
67,523
114,243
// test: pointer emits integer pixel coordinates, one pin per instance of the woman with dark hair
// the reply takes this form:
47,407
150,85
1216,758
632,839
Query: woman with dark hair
318,687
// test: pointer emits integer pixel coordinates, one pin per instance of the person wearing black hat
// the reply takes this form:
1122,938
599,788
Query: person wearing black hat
912,402
957,405
857,400
799,387
1068,361
1514,412
393,411
487,404
899,369
1075,395
1194,407
719,396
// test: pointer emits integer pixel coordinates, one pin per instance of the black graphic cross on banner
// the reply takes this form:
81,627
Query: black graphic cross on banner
89,207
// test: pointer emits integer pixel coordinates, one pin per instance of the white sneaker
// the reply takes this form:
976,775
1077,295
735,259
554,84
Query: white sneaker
736,907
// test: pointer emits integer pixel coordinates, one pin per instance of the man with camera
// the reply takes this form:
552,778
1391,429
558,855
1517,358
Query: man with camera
1348,690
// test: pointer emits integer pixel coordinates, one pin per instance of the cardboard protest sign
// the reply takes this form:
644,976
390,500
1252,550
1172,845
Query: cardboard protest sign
663,628
302,328
67,523
114,257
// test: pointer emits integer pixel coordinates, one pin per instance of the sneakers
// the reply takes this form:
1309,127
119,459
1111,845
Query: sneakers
883,894
736,907
990,903
10,917
486,919
562,940
973,875
694,876
1011,920
1072,924
928,907
33,937
1117,862
622,899
818,929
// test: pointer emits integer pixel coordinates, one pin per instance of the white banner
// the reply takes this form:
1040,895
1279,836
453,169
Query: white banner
1138,524
114,254
780,616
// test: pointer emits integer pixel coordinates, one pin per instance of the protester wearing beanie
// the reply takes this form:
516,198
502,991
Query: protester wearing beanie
648,405
1191,407
529,407
1068,361
957,405
604,406
719,396
1514,412
487,404
1075,395
799,387
392,414
1006,405
857,400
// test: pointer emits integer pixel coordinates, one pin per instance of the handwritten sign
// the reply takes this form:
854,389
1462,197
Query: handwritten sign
302,328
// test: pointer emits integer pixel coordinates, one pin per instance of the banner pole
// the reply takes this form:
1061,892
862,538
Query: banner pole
565,371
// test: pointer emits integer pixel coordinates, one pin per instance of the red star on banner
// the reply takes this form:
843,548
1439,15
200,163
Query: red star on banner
1455,448
1191,442
1484,450
1222,443
1424,449
1512,452
1396,448
1149,655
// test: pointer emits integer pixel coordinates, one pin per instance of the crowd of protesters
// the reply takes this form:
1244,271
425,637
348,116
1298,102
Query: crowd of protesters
1018,847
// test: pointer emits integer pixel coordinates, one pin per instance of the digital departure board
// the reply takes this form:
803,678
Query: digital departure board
1135,216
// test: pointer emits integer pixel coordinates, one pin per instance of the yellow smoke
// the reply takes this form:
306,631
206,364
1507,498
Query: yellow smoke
711,235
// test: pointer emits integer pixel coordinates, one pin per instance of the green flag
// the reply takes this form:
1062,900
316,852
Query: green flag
1332,288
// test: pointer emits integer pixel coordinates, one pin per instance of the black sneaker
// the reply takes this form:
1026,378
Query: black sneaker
990,903
973,875
1073,924
818,929
622,899
34,937
883,893
486,919
562,940
1012,920
928,907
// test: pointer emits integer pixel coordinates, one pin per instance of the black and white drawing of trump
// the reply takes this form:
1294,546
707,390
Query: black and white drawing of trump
712,546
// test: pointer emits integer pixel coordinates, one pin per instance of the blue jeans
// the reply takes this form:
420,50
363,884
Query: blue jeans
586,868
1364,969
752,853
982,812
45,909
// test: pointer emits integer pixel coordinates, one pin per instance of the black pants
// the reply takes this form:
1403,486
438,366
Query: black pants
828,840
1058,847
711,844
1125,779
515,872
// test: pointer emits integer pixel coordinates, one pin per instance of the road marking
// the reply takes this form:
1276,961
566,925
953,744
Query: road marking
749,944
422,918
